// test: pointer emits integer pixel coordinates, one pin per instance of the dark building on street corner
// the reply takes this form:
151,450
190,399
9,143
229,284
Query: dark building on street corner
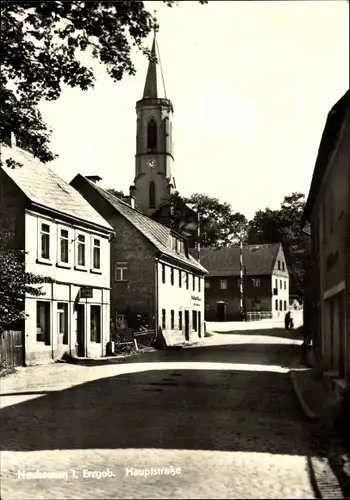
266,282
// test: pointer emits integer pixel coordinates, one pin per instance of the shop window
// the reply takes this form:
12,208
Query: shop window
95,324
43,326
62,320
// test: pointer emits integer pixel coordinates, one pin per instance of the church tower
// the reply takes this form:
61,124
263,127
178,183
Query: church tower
154,158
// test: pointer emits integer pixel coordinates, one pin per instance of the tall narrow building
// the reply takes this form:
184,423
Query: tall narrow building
154,159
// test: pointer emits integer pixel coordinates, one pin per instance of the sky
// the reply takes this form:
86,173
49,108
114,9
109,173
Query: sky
251,84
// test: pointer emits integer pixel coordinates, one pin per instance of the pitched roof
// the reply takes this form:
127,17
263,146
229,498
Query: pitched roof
154,85
258,259
156,233
329,141
44,187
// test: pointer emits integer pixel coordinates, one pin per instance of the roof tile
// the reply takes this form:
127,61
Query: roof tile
43,186
258,259
156,233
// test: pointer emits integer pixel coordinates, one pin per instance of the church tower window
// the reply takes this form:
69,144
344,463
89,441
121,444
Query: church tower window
152,195
152,134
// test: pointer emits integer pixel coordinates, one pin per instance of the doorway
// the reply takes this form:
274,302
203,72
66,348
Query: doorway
187,325
199,324
81,330
221,311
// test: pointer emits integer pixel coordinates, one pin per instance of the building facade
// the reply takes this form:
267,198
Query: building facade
265,282
327,301
66,240
153,277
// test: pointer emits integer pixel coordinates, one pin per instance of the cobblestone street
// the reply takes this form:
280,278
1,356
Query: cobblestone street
223,414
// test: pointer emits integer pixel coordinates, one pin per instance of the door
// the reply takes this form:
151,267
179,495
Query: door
187,325
199,324
221,311
81,330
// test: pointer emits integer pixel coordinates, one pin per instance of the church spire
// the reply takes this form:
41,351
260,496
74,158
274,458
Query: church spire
154,86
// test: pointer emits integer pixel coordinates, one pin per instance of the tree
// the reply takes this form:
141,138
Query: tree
15,283
219,224
40,45
284,226
114,192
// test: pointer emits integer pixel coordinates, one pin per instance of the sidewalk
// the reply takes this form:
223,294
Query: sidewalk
330,464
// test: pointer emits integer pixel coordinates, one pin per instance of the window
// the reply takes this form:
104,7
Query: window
187,281
276,284
120,271
180,320
285,305
163,273
199,284
152,195
172,320
120,322
95,324
223,285
194,320
64,246
180,278
283,267
285,285
62,322
256,283
163,319
281,284
43,326
45,241
96,253
207,284
280,305
279,265
276,304
193,282
152,134
172,275
81,250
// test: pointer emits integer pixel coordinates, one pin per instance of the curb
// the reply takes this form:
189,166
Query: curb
306,410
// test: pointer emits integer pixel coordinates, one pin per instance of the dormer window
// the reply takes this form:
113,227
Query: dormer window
152,134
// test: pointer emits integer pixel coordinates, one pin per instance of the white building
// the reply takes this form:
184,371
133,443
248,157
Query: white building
67,240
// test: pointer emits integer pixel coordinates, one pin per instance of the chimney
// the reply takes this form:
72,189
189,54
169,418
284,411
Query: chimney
13,141
130,200
94,178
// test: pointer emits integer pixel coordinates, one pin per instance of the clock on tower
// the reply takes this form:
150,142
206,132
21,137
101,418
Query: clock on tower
152,163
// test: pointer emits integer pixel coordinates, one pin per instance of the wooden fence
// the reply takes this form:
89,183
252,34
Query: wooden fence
11,349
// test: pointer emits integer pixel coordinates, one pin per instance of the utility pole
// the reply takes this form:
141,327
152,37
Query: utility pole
198,235
241,271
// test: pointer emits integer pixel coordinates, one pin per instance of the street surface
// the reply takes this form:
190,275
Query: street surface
215,421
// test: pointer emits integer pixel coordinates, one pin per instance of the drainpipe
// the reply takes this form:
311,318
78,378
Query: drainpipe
156,295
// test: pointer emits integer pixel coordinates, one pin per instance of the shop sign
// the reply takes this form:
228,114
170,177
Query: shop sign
86,292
